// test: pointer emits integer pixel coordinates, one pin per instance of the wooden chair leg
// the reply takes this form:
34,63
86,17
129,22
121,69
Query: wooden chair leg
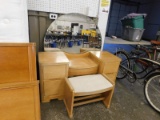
69,100
108,96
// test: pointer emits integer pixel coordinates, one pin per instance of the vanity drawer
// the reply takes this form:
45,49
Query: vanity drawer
54,71
53,87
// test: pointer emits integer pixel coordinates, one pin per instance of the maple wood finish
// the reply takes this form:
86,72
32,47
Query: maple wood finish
19,88
88,49
19,101
82,64
108,67
57,67
53,71
17,62
111,64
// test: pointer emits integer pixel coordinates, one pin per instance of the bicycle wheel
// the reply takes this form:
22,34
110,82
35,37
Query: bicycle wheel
138,65
124,62
152,91
131,77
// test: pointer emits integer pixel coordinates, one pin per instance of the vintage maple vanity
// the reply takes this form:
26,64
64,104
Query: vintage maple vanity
19,87
56,69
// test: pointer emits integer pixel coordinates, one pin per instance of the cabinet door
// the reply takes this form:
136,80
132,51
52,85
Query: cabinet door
53,87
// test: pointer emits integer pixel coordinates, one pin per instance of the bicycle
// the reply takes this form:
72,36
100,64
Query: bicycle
131,63
152,87
152,50
151,82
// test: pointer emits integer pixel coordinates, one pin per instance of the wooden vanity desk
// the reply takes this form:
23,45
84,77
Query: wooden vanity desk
53,68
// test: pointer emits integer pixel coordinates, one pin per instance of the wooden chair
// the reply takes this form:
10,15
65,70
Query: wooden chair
85,86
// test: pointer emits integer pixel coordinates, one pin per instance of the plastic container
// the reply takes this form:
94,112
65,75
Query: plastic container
79,43
132,34
70,44
136,22
53,45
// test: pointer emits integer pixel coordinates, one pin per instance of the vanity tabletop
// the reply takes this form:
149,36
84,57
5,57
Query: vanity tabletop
52,58
105,56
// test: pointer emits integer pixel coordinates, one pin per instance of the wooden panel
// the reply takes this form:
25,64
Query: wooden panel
54,71
19,101
84,71
82,64
88,49
106,56
111,77
50,58
111,67
53,87
17,62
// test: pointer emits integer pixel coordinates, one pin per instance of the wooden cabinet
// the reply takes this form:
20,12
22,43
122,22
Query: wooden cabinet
19,87
53,72
55,67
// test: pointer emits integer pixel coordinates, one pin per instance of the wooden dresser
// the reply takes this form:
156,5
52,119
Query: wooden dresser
19,87
53,71
55,67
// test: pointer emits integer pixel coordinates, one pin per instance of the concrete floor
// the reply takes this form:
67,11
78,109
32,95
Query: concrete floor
128,103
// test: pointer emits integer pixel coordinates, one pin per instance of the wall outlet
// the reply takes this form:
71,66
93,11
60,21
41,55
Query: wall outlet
53,16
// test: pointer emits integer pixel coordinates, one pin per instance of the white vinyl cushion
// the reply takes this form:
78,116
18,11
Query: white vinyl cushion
13,21
89,83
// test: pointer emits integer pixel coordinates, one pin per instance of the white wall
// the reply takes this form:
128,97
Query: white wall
103,19
66,20
13,21
86,7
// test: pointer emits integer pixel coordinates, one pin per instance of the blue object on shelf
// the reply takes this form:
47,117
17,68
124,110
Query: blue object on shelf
53,45
70,44
79,43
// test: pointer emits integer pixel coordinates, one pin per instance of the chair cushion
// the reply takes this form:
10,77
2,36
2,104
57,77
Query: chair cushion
89,83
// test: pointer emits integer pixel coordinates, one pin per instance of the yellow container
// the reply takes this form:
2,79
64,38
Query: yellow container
93,33
85,32
89,32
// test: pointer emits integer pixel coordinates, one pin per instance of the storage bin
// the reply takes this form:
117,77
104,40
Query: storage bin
70,44
79,43
132,34
136,22
53,45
